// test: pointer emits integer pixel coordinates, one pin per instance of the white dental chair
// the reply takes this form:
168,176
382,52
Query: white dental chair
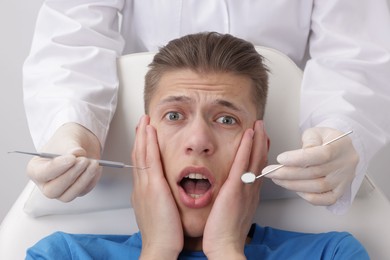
107,209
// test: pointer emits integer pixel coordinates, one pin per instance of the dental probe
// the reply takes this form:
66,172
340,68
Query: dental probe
101,162
250,177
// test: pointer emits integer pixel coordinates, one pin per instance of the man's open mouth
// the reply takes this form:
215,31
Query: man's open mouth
195,185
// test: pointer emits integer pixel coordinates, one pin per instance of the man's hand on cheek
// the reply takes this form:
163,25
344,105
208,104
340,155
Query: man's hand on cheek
230,219
156,212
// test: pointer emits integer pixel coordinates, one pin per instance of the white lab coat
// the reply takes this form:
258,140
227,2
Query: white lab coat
70,74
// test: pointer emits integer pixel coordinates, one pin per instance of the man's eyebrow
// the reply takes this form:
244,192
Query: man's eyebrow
171,99
227,104
185,99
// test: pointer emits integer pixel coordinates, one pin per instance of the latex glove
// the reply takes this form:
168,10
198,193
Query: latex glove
319,174
72,174
155,209
232,214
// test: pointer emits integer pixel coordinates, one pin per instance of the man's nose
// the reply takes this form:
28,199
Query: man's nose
200,139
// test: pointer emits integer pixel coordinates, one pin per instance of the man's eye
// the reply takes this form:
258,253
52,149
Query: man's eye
173,116
227,120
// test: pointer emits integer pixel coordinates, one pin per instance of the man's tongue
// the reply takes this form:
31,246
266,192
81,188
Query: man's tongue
197,187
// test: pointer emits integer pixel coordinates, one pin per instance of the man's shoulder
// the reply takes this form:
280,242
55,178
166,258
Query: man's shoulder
89,246
298,245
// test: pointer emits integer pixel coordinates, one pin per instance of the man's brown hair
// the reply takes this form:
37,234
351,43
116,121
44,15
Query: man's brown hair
210,53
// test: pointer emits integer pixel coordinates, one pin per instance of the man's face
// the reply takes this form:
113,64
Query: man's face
200,120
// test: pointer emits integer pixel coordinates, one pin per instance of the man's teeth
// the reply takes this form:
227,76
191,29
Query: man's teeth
196,176
195,196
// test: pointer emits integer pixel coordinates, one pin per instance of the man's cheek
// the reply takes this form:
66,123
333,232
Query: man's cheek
167,154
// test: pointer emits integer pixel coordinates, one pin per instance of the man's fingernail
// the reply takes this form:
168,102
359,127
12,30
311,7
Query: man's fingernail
261,124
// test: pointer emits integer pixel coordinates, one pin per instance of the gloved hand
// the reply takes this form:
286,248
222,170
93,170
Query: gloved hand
319,174
72,174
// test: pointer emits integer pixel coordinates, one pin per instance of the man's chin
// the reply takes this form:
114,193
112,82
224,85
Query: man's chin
194,223
194,220
193,234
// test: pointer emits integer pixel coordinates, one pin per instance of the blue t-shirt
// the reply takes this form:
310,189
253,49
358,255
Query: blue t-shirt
266,243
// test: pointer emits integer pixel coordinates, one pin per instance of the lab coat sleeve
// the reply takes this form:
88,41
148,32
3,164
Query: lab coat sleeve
345,83
70,74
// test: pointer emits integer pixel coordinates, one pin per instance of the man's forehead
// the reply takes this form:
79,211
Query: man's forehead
215,88
202,80
213,82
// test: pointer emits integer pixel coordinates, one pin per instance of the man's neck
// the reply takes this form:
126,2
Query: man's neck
193,243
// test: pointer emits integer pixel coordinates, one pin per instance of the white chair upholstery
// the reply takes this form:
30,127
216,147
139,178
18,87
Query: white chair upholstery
107,209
